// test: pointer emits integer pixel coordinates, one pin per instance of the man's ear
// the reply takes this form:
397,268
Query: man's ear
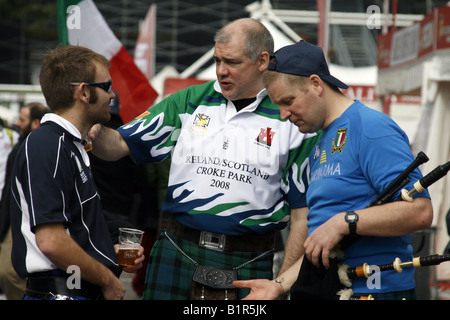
263,61
82,93
316,83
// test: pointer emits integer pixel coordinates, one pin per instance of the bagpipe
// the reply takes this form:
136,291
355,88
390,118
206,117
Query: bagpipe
346,274
398,183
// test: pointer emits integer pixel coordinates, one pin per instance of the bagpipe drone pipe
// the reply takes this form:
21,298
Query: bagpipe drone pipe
398,183
346,274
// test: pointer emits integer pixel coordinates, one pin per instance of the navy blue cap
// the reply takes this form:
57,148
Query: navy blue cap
304,59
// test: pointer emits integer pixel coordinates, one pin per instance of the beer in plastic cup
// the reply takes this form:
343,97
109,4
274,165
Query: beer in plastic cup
129,243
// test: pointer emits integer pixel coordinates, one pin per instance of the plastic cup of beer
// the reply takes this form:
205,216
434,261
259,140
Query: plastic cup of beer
129,243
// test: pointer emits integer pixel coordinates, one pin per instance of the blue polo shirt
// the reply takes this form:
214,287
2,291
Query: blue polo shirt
359,155
52,183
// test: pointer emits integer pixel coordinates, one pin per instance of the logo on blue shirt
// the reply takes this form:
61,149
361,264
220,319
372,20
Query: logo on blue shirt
339,141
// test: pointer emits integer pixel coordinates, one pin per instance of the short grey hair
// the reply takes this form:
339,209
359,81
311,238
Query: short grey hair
257,38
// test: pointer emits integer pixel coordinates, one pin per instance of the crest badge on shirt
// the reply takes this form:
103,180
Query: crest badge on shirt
339,141
265,137
201,123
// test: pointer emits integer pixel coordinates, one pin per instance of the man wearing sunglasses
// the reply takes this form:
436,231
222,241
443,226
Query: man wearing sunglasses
105,86
56,216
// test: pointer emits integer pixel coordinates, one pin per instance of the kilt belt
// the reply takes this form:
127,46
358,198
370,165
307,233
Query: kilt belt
222,242
197,264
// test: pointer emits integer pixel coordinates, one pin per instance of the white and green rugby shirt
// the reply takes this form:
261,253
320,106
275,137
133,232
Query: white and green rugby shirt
231,172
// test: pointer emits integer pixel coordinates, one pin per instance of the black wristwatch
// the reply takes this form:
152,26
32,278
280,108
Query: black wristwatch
352,218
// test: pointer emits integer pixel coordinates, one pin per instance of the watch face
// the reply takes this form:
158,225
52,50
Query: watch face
351,217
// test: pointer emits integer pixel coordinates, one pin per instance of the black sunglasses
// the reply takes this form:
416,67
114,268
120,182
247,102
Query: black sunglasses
107,86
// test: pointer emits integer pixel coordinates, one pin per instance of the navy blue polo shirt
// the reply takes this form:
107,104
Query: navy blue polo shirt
52,183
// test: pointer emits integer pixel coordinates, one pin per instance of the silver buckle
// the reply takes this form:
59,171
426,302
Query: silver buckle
215,241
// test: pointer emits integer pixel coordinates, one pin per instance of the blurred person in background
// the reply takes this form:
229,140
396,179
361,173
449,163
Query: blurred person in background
12,285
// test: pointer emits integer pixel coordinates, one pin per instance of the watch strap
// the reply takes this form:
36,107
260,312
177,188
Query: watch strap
351,223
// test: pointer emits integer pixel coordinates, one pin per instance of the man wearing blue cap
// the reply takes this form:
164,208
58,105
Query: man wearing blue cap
360,153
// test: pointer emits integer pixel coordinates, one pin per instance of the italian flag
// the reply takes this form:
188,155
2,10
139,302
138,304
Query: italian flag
81,23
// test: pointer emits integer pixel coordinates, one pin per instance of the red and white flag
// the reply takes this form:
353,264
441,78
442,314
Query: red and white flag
81,23
144,53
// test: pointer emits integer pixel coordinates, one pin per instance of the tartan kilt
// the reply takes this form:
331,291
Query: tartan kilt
169,272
